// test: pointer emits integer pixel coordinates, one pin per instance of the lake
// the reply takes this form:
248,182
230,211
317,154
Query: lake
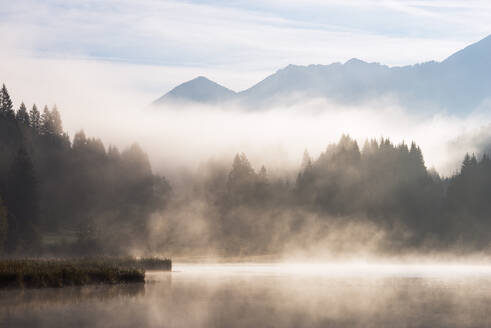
267,295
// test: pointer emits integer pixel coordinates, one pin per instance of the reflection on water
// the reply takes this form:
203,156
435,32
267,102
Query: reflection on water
266,296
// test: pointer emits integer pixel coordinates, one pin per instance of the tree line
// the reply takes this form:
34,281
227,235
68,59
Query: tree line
382,184
49,183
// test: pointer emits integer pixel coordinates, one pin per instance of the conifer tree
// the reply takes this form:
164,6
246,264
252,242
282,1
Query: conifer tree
263,174
113,153
55,119
35,118
417,158
6,107
466,163
473,160
306,161
262,185
22,116
80,140
241,179
46,122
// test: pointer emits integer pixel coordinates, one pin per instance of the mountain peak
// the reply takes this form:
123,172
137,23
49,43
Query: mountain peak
354,61
475,53
459,84
200,90
201,79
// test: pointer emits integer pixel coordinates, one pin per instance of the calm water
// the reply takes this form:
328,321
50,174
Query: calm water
267,296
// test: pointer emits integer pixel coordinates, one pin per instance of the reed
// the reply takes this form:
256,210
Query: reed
37,273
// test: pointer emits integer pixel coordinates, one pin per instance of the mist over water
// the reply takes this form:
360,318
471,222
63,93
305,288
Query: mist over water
345,193
267,295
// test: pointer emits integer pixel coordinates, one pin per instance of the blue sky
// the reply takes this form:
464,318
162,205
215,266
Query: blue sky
246,39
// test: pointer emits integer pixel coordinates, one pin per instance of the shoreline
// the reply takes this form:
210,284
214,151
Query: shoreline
57,273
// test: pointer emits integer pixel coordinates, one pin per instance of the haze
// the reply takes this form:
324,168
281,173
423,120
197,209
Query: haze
303,164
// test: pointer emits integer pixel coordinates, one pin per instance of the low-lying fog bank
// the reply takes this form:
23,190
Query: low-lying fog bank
358,196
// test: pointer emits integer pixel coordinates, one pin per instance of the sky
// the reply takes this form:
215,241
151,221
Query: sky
237,43
102,61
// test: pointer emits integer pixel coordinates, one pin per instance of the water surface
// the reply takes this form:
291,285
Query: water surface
267,295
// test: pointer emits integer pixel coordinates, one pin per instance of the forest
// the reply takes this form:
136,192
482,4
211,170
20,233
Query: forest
75,196
49,183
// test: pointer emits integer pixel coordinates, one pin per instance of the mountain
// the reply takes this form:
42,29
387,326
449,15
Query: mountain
199,90
458,84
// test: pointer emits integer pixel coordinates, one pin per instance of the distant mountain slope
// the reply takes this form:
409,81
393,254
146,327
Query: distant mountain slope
200,90
458,84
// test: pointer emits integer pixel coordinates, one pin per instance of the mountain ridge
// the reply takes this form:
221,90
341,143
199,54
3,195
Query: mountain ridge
458,84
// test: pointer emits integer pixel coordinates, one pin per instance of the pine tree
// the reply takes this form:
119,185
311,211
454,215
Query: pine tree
113,153
262,191
306,161
241,169
417,158
473,160
80,140
46,122
241,180
22,116
263,174
466,163
55,119
35,118
6,107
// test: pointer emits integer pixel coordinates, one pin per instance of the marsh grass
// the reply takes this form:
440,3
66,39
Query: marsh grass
154,263
36,273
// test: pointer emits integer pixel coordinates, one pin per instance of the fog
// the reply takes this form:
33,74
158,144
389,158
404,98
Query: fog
193,146
111,101
276,137
251,296
343,205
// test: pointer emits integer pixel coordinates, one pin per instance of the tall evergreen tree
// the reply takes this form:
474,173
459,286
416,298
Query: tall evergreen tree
22,116
306,160
35,118
46,122
466,164
55,119
80,140
6,107
241,180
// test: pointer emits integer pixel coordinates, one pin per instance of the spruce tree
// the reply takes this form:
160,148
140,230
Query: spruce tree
46,122
306,161
417,158
22,116
35,118
56,124
241,180
80,140
466,163
6,107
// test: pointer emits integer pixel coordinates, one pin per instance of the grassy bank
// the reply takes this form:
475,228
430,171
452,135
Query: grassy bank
154,263
36,273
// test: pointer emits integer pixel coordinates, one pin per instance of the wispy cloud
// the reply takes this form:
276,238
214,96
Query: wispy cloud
255,35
